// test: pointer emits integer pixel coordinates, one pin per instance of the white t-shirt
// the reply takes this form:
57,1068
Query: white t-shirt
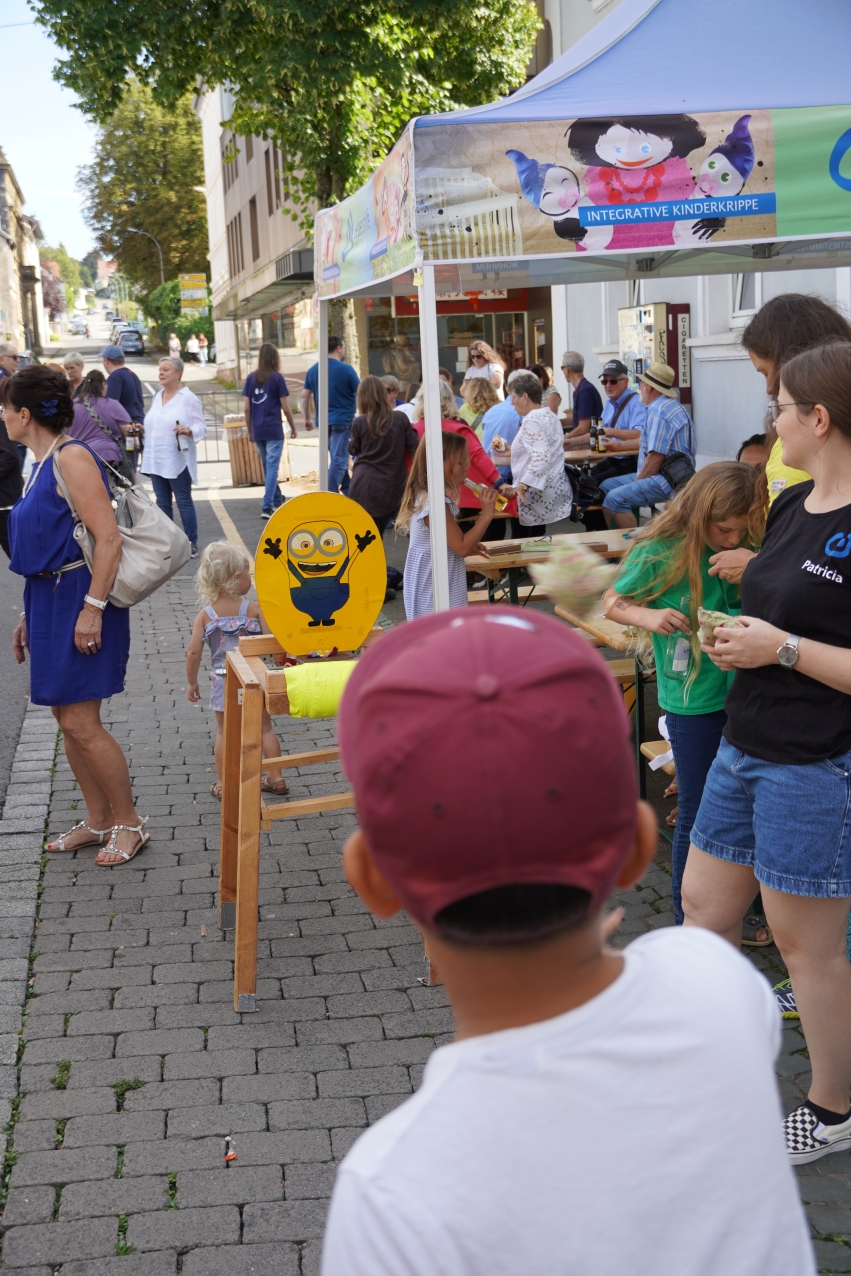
487,370
639,1134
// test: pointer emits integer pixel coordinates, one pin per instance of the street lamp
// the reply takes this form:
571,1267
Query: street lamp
134,231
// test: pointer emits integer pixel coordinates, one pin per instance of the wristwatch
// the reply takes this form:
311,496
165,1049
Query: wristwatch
95,602
788,653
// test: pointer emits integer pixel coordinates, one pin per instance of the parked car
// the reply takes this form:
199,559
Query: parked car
138,325
131,341
78,327
118,327
111,314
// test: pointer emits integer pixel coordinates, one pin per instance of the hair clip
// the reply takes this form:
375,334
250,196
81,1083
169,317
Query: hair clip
49,407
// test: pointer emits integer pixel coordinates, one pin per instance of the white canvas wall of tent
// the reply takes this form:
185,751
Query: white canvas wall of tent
531,189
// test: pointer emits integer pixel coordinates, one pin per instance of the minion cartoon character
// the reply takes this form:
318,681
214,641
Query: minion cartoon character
318,558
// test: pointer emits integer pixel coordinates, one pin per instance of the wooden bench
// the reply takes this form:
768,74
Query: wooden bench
651,749
523,593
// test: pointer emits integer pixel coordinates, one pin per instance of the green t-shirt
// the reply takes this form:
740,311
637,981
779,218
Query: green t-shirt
708,691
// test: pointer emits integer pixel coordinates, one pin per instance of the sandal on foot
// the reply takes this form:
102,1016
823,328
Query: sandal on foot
672,788
124,856
750,926
671,817
58,846
274,786
216,790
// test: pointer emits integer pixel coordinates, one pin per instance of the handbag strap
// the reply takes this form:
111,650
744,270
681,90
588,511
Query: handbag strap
620,409
63,487
88,404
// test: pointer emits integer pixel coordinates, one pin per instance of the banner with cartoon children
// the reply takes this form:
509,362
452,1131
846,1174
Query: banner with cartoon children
369,235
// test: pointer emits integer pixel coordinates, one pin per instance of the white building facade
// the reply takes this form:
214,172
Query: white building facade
22,319
261,269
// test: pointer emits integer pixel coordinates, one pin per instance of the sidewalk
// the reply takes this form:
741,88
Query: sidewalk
132,1064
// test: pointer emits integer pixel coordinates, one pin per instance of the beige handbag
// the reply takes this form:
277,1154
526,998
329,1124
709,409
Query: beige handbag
153,548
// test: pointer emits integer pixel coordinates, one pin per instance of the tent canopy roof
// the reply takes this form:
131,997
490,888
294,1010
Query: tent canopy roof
667,56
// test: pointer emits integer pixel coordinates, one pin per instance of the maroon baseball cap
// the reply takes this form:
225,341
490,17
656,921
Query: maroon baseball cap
488,748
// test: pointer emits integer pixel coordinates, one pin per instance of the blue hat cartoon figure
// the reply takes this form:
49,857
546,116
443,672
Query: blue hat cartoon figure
551,188
726,169
320,574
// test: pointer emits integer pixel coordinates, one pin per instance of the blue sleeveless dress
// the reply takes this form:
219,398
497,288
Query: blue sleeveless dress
41,536
222,634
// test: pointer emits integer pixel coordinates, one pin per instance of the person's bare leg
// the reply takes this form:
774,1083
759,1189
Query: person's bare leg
220,736
98,809
810,934
97,751
625,520
716,894
271,747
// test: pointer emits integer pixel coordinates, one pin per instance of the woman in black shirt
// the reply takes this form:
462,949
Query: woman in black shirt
379,439
777,805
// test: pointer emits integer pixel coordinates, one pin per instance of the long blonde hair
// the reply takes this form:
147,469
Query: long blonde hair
219,571
416,488
482,347
448,406
727,489
479,394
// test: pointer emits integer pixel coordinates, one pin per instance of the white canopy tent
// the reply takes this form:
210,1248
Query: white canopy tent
679,137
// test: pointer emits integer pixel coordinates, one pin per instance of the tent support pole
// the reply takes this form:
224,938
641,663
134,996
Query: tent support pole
434,441
322,405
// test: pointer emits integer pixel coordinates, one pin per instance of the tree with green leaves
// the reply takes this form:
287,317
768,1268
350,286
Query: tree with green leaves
69,270
333,84
149,157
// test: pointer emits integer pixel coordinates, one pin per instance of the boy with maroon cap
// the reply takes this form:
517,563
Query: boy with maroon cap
599,1113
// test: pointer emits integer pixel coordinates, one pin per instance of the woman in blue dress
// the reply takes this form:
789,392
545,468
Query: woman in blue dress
78,642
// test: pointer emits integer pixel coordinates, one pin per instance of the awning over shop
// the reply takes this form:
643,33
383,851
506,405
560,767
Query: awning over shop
677,137
281,283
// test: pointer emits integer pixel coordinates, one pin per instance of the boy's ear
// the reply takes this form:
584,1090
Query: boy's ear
643,846
365,877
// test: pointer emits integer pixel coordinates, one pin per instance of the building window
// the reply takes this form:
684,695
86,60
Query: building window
236,256
230,161
270,199
255,232
747,295
249,149
277,177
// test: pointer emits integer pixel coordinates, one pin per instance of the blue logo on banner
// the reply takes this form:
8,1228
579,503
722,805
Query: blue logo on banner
837,155
838,546
677,210
331,272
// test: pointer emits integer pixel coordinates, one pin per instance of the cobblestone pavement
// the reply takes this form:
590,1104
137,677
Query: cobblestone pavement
131,1066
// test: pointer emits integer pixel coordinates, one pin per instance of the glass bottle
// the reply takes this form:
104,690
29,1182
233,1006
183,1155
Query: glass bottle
182,441
678,655
593,434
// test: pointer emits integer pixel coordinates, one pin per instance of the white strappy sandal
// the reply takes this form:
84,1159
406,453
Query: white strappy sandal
96,840
124,856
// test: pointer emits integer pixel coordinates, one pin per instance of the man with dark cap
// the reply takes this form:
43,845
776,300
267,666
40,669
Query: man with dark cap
123,384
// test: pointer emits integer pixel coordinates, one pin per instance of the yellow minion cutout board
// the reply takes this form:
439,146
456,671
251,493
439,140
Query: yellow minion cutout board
321,574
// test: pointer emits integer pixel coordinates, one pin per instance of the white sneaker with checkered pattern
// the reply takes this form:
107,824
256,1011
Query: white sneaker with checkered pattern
807,1139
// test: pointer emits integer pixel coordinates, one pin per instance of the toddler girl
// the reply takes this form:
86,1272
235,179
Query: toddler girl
223,581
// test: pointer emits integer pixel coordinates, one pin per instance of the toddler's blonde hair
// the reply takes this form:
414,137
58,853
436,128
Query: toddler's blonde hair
219,571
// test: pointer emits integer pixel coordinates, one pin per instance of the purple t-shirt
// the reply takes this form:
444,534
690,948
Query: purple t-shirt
87,430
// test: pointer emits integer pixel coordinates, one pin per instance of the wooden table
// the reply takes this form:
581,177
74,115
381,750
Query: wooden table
578,454
611,544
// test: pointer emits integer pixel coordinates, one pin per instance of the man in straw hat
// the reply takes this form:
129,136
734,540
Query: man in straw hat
667,429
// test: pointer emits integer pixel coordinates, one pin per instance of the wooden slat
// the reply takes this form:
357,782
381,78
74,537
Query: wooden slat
228,844
260,645
654,749
302,759
307,806
608,632
525,591
242,669
248,865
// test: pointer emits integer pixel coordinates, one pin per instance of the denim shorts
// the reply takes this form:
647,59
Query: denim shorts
790,824
625,492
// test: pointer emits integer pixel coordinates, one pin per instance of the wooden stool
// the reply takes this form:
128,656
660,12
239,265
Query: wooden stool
249,685
655,749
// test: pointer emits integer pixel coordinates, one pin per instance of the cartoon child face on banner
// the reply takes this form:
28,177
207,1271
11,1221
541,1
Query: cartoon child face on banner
321,574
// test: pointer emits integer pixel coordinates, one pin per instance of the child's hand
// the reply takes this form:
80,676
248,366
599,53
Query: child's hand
488,499
193,693
666,621
482,550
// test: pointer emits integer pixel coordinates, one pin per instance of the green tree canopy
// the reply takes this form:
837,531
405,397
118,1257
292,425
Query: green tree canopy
334,84
69,269
148,159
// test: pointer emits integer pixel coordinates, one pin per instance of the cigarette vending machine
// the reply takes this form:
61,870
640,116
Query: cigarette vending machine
657,332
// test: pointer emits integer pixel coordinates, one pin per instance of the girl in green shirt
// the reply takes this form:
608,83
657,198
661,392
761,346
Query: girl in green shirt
663,580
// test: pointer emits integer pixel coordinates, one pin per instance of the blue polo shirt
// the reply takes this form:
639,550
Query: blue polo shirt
633,416
125,386
343,384
586,402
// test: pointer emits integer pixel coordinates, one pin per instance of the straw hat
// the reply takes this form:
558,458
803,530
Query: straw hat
659,377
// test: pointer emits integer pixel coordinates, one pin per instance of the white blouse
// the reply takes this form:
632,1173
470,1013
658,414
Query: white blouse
161,455
537,459
486,370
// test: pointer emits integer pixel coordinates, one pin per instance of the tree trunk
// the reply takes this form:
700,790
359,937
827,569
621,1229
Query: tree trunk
341,311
